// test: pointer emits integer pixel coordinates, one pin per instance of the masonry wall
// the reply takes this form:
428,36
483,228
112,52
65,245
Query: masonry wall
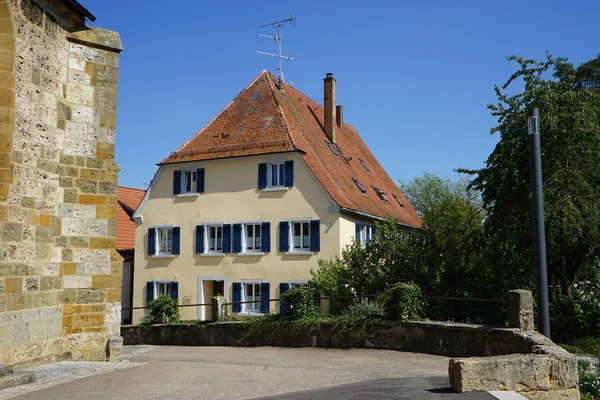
60,275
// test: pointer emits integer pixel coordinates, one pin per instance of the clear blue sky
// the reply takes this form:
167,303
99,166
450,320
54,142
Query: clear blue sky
414,77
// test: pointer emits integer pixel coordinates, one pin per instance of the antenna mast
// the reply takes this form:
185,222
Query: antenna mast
277,39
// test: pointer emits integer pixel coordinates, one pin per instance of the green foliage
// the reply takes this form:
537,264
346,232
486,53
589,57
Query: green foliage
569,107
301,302
359,318
589,380
403,301
161,310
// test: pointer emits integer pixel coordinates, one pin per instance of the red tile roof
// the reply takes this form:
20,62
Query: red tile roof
262,119
129,199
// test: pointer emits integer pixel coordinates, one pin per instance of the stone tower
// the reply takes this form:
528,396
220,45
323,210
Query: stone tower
60,276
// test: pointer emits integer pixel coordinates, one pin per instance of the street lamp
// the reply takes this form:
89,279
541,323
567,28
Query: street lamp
539,234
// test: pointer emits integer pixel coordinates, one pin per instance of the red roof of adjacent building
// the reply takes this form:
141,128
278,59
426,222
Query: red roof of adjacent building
262,119
129,199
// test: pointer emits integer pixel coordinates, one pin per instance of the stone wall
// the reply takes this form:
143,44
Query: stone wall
60,275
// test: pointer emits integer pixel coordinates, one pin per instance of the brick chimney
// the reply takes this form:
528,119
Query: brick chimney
330,119
339,116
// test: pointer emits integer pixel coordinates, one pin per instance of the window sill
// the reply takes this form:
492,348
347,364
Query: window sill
299,253
163,256
250,314
212,255
188,195
251,253
275,189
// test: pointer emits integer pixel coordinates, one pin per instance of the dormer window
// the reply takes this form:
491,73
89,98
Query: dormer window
398,200
333,148
359,186
381,194
364,164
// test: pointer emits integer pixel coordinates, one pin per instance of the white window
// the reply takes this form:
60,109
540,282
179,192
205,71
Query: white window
276,174
251,238
365,234
251,292
214,238
294,284
164,240
161,287
300,234
188,182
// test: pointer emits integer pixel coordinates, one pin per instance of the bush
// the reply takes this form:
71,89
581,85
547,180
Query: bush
161,310
403,301
359,317
589,381
302,302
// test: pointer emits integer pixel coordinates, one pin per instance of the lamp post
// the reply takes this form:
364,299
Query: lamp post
539,234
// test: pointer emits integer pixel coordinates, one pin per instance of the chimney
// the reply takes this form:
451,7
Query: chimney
330,120
339,117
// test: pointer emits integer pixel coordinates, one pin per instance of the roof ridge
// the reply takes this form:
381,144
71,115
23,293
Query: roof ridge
286,124
263,72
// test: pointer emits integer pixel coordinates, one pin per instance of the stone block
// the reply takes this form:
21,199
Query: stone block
106,281
90,296
53,326
77,282
15,302
94,163
12,232
68,296
105,151
97,268
61,241
13,285
93,308
102,243
113,295
91,199
31,284
71,196
1,285
6,335
37,330
45,220
68,269
93,174
7,98
517,372
78,242
20,332
106,212
520,310
67,160
114,349
50,270
88,320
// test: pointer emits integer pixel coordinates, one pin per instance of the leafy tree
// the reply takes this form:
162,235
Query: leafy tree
569,104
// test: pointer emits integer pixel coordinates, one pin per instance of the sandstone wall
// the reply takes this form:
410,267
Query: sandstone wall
60,275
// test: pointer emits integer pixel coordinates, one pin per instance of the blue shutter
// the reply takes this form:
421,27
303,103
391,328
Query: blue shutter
151,241
174,290
315,235
175,238
236,297
149,292
284,236
289,173
373,232
177,182
283,305
265,293
237,238
357,235
265,236
200,180
199,239
262,176
227,238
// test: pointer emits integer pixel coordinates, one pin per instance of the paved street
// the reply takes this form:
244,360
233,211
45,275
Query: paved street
233,373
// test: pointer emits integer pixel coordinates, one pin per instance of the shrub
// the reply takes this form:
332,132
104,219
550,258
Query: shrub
302,302
359,317
403,301
161,310
589,381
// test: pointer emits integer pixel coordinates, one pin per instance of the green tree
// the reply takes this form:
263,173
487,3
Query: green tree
569,103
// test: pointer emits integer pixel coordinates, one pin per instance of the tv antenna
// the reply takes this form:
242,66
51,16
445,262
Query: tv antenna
277,39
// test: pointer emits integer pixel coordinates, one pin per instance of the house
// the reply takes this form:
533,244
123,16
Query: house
128,200
247,206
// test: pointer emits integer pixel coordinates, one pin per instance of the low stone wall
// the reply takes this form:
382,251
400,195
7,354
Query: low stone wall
500,358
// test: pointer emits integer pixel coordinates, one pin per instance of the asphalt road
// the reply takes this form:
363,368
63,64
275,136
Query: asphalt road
246,373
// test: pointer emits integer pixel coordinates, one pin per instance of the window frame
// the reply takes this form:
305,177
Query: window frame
381,194
400,203
157,252
364,163
359,186
161,281
193,185
255,307
365,231
207,228
257,250
281,174
291,248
